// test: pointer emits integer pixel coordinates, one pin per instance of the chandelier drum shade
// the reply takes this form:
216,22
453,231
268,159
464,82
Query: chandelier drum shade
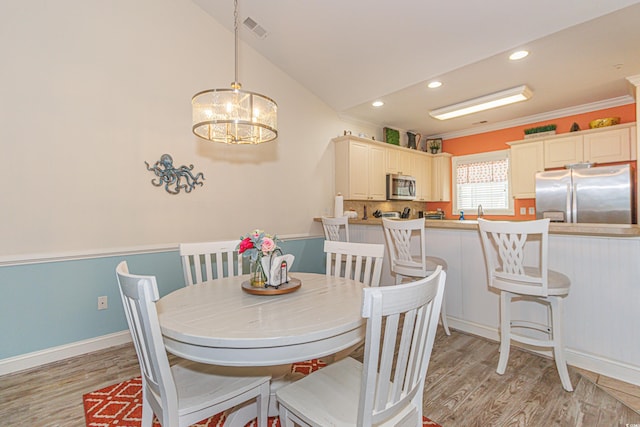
234,116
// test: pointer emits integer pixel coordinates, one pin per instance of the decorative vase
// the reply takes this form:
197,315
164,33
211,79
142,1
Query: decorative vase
434,151
258,278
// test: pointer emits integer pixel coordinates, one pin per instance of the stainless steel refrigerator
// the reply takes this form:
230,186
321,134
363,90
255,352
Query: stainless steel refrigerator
602,194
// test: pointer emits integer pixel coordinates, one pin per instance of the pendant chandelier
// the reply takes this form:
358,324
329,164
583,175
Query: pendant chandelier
234,116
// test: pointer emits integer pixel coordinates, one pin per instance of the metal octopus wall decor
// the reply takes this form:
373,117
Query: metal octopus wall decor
172,178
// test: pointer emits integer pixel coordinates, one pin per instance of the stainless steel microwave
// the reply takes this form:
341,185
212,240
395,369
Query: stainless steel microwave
401,187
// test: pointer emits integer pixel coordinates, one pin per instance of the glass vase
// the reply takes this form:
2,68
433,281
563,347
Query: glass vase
258,278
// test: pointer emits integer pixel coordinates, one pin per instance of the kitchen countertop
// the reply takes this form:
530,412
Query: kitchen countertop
604,230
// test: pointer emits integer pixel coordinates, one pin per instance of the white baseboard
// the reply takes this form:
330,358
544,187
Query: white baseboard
55,354
600,365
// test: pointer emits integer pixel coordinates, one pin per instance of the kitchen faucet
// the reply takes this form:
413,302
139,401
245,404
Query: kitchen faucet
480,211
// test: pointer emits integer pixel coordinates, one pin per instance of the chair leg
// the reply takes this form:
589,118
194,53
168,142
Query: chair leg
147,414
443,316
285,419
505,331
262,402
558,340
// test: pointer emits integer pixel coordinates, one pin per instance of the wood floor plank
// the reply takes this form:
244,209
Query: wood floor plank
462,389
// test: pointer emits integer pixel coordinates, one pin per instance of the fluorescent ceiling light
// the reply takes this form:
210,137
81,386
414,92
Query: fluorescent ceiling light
498,99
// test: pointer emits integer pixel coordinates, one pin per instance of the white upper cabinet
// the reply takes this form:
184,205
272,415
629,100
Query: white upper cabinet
609,146
421,170
527,158
362,166
441,178
360,169
604,145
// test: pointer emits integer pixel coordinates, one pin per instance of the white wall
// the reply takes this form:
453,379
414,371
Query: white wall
92,89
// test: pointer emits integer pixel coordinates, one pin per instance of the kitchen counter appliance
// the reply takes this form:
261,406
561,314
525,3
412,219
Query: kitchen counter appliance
401,187
586,194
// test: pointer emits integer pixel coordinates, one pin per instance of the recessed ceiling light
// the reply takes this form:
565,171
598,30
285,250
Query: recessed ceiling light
518,55
377,103
434,84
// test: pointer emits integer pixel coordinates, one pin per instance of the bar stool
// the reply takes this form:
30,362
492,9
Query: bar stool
399,235
504,246
333,226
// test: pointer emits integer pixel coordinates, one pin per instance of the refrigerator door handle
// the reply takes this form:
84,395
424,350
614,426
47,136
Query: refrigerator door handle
568,205
574,203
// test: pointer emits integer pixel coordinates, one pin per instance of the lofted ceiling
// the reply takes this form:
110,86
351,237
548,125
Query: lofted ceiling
352,52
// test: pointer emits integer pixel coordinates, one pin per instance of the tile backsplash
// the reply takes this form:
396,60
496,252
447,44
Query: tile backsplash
384,206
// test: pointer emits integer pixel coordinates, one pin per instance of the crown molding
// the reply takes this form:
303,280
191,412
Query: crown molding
579,109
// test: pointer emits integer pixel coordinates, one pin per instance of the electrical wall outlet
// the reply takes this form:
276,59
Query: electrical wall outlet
523,211
532,210
103,303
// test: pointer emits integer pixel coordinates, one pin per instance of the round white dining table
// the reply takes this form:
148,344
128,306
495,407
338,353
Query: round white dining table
217,322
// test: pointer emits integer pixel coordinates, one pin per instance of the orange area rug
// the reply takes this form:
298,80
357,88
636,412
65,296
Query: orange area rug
121,404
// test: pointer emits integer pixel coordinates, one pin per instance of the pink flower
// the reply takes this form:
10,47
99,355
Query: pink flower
268,245
245,244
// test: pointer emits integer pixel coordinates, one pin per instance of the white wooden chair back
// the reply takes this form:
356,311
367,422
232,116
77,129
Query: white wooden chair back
139,294
398,236
504,245
392,380
210,260
333,226
357,261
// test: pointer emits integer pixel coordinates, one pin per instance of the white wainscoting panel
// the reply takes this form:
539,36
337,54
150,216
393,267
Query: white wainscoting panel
602,311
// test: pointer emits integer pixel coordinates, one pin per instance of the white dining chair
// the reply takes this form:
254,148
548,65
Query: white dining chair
358,261
187,392
361,262
336,229
506,247
401,237
205,261
210,260
388,388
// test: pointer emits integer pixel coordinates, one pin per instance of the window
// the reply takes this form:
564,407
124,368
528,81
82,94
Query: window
482,179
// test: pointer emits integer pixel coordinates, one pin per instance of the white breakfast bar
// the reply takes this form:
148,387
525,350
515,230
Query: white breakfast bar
602,311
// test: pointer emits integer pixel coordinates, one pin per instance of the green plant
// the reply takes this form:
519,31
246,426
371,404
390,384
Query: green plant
545,128
434,144
391,136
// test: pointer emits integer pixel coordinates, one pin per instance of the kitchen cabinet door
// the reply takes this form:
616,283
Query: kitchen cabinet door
377,175
391,160
607,146
360,170
527,158
559,152
404,162
441,178
421,170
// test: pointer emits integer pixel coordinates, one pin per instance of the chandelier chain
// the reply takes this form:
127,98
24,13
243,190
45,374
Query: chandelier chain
235,29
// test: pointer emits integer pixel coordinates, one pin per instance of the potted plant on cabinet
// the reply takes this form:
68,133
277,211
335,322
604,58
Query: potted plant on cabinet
435,145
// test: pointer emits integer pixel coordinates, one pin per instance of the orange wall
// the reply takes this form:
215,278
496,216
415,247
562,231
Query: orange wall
496,140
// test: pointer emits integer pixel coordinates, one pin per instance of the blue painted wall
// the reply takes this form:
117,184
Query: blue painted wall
55,303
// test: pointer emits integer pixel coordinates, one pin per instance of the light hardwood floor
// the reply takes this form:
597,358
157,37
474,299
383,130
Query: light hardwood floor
462,389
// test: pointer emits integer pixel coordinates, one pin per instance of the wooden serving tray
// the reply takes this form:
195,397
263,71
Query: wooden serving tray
285,288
